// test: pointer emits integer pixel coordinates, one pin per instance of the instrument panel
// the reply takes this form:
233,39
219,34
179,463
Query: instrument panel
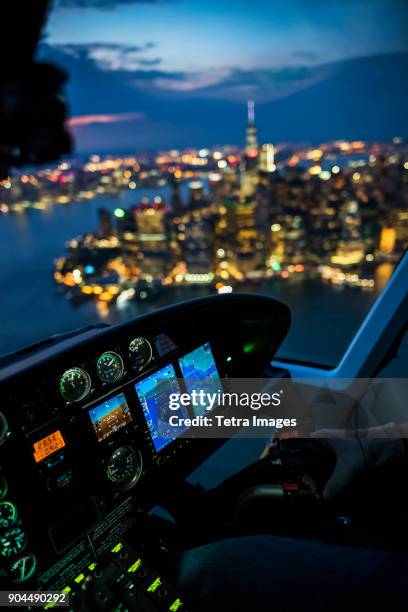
81,456
76,383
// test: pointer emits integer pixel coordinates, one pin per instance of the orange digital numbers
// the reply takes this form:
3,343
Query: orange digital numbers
48,445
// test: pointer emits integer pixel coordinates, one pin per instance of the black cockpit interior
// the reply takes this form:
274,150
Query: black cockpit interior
81,462
97,507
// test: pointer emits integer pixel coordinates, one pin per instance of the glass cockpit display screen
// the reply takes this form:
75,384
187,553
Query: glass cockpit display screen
200,375
110,416
154,392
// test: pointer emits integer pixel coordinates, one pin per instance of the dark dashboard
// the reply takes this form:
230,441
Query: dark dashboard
81,458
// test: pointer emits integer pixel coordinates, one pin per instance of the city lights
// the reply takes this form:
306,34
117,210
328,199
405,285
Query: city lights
226,218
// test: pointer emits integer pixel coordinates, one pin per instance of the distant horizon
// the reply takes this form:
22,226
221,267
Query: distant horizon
154,151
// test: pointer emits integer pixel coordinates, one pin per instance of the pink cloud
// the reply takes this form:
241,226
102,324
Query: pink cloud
82,120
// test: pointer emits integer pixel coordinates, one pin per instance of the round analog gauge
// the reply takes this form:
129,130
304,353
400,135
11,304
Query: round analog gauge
3,428
22,569
12,542
124,467
110,367
140,353
8,514
75,384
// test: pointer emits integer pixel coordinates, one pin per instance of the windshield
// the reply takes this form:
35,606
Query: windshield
219,147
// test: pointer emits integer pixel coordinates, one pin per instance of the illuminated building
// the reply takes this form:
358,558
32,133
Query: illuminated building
248,249
152,239
249,182
290,213
197,246
351,247
229,183
324,201
251,132
249,165
267,158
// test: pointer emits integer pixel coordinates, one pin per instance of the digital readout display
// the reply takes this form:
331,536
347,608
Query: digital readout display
47,446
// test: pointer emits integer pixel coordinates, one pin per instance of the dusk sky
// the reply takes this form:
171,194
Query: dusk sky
174,72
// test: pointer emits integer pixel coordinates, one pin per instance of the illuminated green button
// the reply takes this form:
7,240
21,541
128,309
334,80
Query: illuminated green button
176,605
132,568
79,578
117,548
154,586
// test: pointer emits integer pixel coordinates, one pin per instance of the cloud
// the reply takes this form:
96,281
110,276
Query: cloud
77,49
237,85
110,56
82,120
133,70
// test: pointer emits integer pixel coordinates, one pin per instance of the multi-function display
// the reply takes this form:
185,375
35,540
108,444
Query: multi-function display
154,392
200,373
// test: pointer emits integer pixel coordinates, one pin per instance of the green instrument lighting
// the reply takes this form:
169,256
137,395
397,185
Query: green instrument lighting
176,605
92,567
249,347
119,213
154,586
117,548
79,578
134,566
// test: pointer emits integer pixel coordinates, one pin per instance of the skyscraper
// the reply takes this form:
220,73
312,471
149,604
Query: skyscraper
251,131
249,165
152,237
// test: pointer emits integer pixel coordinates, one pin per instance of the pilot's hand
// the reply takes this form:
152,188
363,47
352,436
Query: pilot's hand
377,447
